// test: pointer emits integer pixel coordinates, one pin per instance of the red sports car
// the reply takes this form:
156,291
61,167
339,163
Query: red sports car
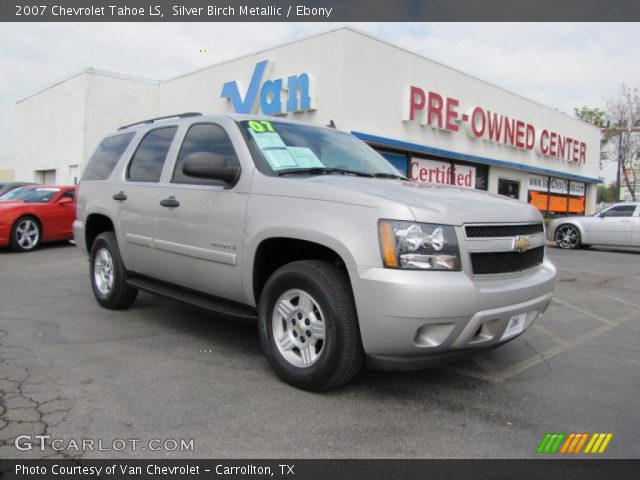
34,214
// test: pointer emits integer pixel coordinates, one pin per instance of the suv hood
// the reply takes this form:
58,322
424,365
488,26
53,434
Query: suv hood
438,203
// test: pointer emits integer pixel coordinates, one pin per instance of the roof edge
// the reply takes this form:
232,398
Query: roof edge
91,71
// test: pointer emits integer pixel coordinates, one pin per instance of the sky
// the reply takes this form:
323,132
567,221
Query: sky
562,65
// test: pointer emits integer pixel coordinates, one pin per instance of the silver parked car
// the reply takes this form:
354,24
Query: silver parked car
617,225
310,232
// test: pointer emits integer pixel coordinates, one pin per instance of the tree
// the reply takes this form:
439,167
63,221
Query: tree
606,193
620,124
623,110
597,117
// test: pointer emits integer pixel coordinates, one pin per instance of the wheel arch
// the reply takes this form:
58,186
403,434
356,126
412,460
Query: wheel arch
33,215
273,252
95,224
30,215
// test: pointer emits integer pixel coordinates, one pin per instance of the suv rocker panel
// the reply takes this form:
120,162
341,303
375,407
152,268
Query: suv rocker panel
196,299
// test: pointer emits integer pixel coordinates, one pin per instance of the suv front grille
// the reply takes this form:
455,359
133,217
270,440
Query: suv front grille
484,263
489,231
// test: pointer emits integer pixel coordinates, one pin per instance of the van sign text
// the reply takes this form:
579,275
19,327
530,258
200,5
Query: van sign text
272,97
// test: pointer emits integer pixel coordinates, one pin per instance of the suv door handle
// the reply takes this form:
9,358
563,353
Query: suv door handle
170,202
120,196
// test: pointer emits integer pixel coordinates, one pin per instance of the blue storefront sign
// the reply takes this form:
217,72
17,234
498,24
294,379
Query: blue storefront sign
267,96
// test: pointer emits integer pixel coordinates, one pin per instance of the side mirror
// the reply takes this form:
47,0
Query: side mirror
65,201
602,214
209,165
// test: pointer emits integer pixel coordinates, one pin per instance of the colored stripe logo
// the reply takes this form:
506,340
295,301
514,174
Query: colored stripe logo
573,443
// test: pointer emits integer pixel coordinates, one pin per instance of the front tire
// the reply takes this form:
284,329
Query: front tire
26,234
109,275
567,236
308,326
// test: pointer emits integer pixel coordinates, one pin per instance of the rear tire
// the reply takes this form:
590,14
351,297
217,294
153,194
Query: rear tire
108,274
567,236
26,234
308,326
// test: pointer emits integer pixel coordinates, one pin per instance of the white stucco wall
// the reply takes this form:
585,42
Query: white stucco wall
113,102
358,81
61,125
321,56
50,129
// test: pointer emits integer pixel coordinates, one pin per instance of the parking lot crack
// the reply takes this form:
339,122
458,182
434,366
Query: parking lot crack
28,405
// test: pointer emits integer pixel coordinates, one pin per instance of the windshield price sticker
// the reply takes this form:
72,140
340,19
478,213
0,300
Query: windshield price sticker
279,158
305,157
278,154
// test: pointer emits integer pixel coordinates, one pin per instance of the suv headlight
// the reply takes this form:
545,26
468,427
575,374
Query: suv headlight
418,246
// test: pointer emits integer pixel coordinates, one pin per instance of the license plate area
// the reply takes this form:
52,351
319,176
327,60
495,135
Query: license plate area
514,326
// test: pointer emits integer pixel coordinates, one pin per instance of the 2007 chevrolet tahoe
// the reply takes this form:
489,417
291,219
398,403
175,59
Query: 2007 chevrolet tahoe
340,257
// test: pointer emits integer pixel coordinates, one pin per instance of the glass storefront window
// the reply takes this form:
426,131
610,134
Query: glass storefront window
557,196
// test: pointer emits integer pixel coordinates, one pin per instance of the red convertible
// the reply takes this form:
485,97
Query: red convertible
34,214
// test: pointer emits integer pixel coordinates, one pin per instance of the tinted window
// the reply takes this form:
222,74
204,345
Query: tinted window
68,194
204,138
398,160
146,164
620,211
31,194
508,188
106,157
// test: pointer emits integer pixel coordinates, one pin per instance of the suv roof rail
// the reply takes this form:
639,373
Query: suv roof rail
152,120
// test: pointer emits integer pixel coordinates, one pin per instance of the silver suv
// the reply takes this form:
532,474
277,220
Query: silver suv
339,257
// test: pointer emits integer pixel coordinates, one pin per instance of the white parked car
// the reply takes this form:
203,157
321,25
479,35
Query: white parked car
618,225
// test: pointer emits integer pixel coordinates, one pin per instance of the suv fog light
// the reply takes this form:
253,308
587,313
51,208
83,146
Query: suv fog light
433,335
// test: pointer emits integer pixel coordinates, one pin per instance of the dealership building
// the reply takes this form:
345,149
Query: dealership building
434,123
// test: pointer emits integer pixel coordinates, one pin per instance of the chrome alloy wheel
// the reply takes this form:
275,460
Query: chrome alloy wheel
567,236
103,272
298,328
27,234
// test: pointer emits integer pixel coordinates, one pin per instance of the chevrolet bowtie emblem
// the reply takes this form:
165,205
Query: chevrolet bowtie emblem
521,243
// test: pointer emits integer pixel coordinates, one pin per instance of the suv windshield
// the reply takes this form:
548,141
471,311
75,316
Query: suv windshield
31,194
289,148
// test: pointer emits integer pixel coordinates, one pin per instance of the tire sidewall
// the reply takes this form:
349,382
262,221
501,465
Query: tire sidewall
14,240
318,373
106,241
578,236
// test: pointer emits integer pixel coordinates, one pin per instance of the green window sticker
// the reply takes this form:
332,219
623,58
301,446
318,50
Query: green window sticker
261,126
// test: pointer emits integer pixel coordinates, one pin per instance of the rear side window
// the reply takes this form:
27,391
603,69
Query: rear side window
69,194
146,164
209,138
620,211
106,157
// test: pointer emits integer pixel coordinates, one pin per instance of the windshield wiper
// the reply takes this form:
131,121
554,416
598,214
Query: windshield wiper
390,175
323,171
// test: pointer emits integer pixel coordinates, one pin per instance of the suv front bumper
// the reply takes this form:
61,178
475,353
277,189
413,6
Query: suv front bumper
412,319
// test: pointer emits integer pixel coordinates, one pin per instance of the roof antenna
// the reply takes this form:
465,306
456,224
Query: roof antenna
331,124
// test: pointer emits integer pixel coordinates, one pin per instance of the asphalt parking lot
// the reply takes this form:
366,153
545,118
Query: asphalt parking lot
161,370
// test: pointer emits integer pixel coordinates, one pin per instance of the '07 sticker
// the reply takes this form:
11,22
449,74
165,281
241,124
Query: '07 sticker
261,126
